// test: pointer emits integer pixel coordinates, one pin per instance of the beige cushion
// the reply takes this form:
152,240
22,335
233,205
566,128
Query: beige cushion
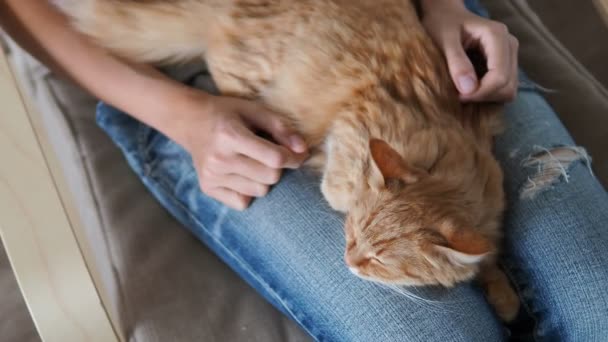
15,322
165,285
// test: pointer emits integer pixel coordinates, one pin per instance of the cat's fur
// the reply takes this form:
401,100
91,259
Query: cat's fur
361,80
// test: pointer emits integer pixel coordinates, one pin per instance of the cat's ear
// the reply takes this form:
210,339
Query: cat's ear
387,164
459,258
465,246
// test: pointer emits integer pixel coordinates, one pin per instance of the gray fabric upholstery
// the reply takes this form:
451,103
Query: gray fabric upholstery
585,39
166,286
15,322
579,99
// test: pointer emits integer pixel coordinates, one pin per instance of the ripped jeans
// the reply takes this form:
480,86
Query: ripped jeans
289,245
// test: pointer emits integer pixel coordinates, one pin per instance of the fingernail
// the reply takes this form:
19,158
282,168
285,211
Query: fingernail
297,144
467,84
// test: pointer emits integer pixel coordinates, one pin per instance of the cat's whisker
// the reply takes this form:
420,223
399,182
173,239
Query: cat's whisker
436,305
446,302
417,299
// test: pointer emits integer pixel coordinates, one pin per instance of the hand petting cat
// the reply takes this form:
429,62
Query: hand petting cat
455,29
234,164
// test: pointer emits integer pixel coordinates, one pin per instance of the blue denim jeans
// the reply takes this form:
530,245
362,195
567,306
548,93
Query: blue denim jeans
289,245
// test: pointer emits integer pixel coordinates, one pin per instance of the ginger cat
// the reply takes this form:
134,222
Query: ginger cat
362,81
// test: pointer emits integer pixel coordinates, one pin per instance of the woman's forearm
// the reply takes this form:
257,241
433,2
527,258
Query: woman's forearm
139,90
433,5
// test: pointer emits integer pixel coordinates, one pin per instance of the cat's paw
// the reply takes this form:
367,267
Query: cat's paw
337,196
506,303
501,295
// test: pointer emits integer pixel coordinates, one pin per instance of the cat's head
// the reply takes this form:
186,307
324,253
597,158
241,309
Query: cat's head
412,228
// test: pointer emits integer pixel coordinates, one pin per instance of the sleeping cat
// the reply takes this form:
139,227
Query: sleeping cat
410,166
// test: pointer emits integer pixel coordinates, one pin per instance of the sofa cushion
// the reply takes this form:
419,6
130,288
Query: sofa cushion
581,27
579,99
16,325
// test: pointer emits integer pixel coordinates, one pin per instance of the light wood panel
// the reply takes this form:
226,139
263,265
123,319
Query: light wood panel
37,234
602,7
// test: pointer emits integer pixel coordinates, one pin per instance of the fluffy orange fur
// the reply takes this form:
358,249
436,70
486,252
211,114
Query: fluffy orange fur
361,80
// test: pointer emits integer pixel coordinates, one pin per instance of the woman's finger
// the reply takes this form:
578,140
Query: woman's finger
509,90
243,185
230,198
496,45
460,66
254,170
494,41
264,151
271,122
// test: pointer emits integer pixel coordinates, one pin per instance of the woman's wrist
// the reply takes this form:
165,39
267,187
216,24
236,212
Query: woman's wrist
170,107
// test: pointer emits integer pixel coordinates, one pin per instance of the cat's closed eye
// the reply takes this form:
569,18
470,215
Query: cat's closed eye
378,260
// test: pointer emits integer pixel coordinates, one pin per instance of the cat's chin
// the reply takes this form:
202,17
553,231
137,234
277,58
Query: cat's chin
356,272
382,281
364,277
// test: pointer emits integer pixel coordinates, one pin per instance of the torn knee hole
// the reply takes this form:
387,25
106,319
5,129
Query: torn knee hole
551,166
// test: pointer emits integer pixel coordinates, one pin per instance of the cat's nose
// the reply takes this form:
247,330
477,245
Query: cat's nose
354,259
348,260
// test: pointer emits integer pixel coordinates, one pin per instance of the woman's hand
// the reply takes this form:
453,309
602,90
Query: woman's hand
233,163
455,29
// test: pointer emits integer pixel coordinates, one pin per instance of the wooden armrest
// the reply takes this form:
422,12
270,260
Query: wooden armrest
39,238
602,7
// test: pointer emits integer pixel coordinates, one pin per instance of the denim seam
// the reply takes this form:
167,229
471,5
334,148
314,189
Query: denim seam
298,318
148,164
528,85
142,134
145,141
